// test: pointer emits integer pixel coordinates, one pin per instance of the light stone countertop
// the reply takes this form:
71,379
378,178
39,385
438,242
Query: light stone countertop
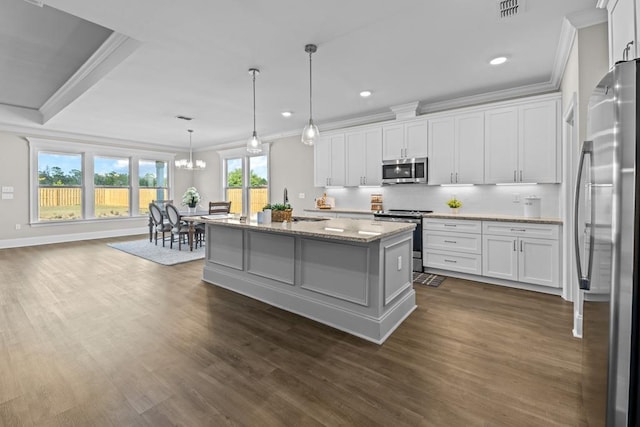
338,210
354,230
494,217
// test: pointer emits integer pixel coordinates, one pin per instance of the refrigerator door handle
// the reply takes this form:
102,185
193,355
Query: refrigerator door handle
583,281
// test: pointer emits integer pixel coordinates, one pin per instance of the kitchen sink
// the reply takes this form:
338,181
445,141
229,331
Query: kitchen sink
307,219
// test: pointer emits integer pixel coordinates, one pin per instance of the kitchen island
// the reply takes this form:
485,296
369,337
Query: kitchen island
353,275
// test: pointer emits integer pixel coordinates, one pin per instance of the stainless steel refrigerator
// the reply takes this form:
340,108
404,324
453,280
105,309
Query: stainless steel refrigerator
606,227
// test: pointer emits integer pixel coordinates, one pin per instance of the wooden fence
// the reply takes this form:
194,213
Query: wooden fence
116,197
119,197
258,197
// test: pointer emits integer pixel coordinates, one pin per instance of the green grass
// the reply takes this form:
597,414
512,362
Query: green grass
66,213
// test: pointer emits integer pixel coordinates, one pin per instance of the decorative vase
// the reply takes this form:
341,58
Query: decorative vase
192,208
455,211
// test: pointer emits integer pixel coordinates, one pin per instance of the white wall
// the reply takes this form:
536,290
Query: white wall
291,167
14,171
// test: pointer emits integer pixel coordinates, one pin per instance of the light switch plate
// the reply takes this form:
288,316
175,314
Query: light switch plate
7,189
300,195
7,196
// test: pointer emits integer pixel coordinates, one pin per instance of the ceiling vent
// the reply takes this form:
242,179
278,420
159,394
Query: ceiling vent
510,8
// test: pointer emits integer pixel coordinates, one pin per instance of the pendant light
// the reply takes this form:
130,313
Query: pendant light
189,164
254,145
310,132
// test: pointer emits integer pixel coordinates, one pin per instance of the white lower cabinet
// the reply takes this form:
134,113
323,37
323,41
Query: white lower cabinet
452,245
510,251
513,256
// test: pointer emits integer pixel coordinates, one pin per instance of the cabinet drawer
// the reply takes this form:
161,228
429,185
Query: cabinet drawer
464,263
455,225
458,242
518,229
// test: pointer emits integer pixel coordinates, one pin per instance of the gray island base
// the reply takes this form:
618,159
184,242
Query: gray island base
353,275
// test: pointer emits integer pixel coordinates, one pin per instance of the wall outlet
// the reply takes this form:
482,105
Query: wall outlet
18,226
516,198
7,189
300,195
7,196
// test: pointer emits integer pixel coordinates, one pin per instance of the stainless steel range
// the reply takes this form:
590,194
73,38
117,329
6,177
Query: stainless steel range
412,216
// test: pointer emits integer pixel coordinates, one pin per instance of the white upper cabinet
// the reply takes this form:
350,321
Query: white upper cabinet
622,29
469,149
521,143
441,150
456,148
404,140
329,159
364,157
501,145
538,148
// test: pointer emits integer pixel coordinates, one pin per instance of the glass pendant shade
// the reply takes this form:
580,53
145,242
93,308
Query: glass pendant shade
254,144
190,164
310,133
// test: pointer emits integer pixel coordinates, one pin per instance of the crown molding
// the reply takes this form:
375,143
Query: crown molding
406,111
499,95
587,18
568,34
115,49
602,4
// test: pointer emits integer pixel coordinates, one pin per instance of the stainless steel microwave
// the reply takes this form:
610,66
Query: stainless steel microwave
405,171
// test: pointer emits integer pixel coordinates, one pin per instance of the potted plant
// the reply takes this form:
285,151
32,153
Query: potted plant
191,198
454,204
279,211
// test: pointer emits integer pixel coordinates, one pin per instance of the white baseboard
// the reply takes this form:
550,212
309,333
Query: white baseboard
72,237
577,325
495,281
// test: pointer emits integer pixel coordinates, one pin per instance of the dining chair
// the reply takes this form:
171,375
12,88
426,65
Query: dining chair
157,219
219,207
178,228
162,204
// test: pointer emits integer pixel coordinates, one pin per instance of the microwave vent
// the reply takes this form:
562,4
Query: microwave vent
510,8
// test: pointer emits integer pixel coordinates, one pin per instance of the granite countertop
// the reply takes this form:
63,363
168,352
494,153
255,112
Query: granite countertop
355,230
494,217
338,210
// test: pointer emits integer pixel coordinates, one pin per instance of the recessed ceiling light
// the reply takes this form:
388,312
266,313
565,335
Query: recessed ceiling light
365,93
286,113
499,60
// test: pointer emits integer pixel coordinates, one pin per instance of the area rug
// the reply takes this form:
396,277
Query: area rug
428,279
161,255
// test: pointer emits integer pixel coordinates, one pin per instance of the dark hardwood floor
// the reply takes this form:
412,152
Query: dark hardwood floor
90,335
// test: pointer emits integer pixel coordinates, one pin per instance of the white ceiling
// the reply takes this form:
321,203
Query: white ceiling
194,56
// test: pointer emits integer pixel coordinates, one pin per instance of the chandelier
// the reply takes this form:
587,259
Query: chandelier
190,164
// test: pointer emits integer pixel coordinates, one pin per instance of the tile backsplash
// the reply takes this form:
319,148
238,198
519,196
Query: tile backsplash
481,199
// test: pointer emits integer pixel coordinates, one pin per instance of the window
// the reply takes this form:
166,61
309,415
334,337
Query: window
258,183
152,180
59,186
111,187
85,182
246,181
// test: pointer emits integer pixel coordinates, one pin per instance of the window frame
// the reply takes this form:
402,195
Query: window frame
242,153
89,151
